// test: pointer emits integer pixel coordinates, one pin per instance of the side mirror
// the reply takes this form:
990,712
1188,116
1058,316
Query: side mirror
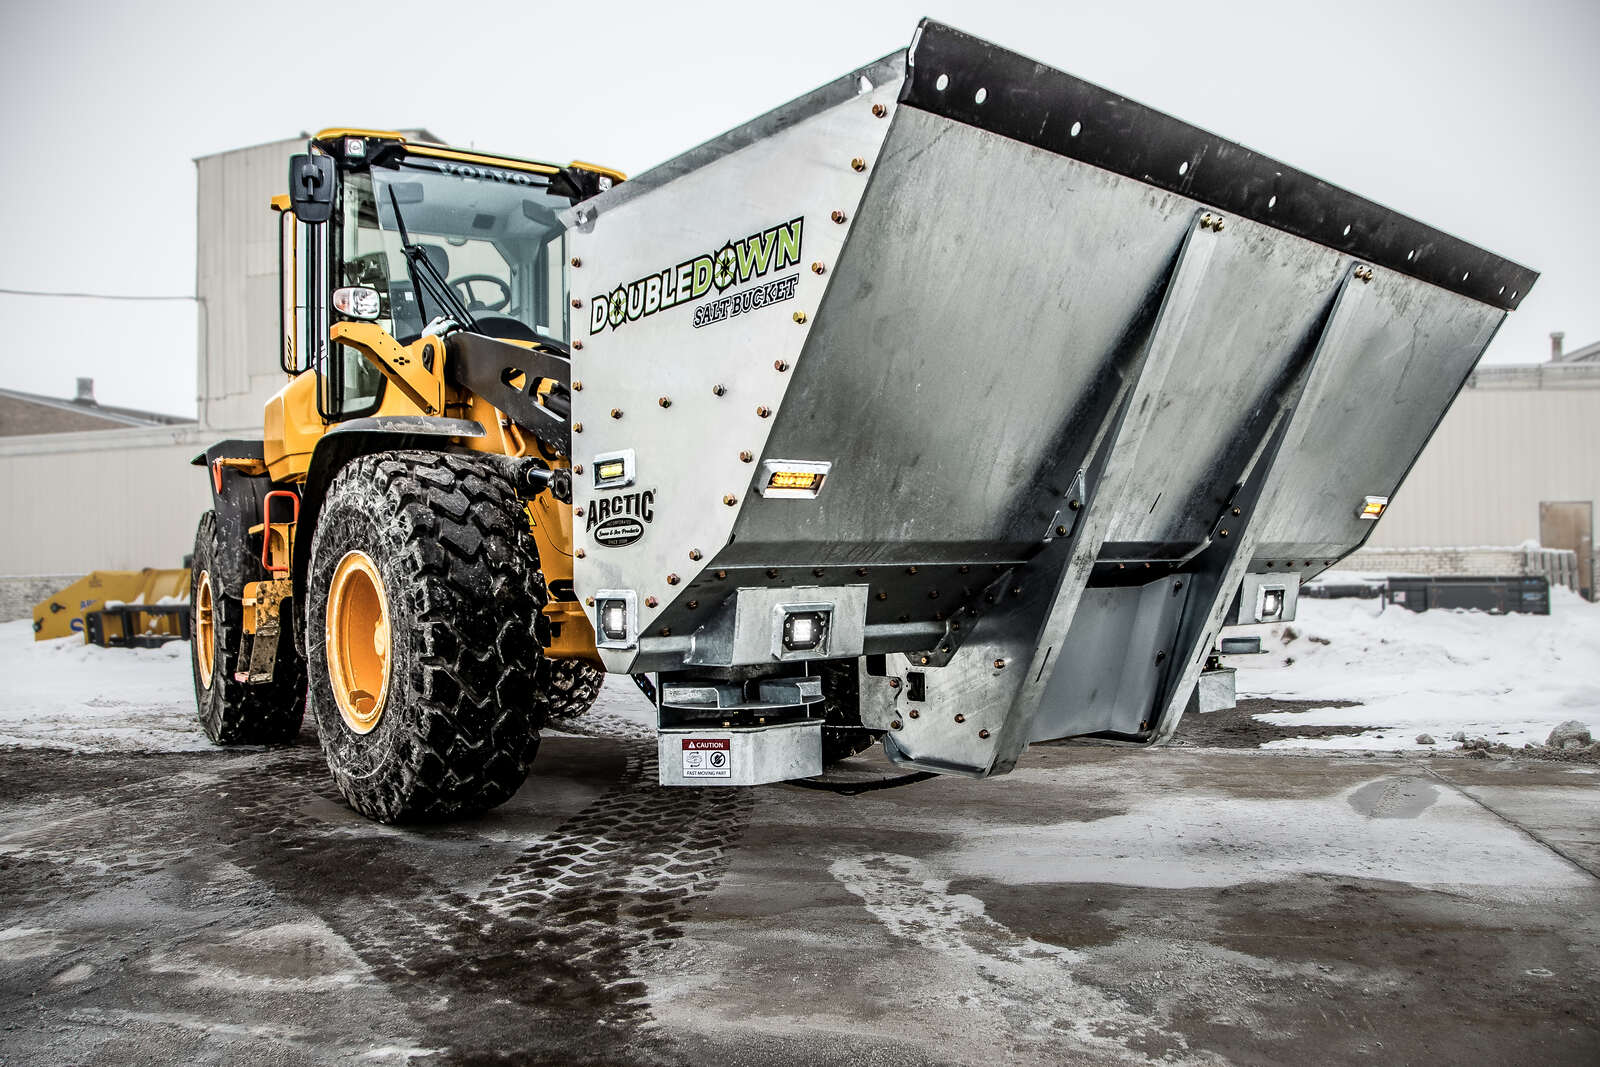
311,187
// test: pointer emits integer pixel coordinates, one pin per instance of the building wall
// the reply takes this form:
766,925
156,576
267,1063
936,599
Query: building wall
1516,436
236,279
108,499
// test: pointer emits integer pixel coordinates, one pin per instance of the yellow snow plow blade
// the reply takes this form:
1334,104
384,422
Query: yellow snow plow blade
61,614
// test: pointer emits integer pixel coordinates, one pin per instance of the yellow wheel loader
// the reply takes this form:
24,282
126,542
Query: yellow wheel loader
396,539
956,405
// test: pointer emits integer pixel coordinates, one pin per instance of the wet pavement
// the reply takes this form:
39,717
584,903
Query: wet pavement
1099,905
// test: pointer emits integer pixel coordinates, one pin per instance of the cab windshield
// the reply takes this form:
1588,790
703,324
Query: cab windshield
491,233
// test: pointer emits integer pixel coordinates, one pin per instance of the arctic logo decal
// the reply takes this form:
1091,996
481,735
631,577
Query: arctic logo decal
619,521
736,263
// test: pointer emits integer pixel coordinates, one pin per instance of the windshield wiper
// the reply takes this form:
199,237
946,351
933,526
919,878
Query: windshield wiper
425,277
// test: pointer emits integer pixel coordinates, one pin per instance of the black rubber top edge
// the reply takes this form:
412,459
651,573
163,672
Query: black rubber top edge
1027,101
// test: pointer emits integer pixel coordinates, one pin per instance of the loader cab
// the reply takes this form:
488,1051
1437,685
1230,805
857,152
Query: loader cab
434,232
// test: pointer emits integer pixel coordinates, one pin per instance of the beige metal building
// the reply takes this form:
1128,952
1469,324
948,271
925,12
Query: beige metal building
1516,459
123,499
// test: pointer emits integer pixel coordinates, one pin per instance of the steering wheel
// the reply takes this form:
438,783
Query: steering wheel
463,287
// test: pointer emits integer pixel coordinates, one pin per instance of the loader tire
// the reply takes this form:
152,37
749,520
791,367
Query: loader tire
843,735
232,712
568,688
422,635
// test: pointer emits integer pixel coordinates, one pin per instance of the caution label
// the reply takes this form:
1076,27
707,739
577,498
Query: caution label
708,757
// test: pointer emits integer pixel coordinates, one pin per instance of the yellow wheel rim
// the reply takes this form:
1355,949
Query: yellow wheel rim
205,629
358,641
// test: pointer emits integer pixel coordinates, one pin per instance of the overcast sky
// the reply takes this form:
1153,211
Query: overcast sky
1478,117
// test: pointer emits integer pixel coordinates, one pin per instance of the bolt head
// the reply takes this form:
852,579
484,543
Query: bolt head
1061,531
763,411
818,268
616,413
800,317
589,600
999,664
729,500
577,303
913,714
577,427
665,401
747,456
718,390
694,553
576,262
780,365
577,346
578,469
673,579
577,385
578,512
839,217
924,660
858,164
960,717
894,683
895,725
580,553
882,595
879,110
984,734
650,602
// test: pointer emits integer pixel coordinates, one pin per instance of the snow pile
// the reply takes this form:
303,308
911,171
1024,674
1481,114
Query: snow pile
1510,678
66,694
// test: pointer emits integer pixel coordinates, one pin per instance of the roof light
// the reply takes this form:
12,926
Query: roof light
1372,507
612,469
355,148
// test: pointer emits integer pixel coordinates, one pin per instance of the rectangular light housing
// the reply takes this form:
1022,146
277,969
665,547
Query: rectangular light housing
1372,507
613,470
793,479
616,618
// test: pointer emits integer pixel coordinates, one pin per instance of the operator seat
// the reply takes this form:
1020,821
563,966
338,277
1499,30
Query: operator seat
408,315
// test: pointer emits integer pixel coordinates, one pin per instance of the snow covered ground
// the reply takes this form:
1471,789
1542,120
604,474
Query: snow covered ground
84,698
66,694
1510,678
